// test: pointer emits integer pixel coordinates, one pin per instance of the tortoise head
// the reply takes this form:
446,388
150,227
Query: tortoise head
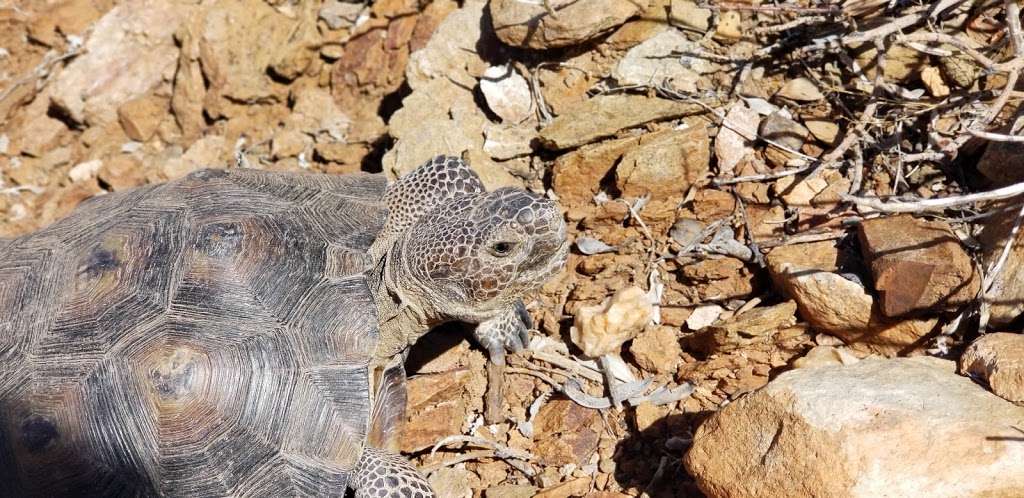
473,256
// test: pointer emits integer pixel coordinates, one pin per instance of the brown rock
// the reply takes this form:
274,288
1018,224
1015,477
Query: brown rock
657,350
605,115
917,265
529,25
122,172
756,326
189,86
664,164
865,430
436,409
999,360
576,176
833,304
565,432
1001,160
140,117
130,50
38,136
453,483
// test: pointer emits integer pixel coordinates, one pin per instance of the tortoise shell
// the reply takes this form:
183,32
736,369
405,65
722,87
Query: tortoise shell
205,337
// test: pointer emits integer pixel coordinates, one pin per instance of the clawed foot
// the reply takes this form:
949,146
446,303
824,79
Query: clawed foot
509,332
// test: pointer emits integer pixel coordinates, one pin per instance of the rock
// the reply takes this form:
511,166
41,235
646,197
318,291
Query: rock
338,14
687,14
826,131
730,26
529,25
510,491
664,164
239,42
85,171
204,153
315,113
998,359
801,192
801,90
122,172
648,418
703,316
904,427
734,141
565,432
656,61
657,350
441,115
601,329
504,142
999,161
130,50
756,326
576,487
452,483
40,135
917,265
782,130
289,143
932,79
140,117
189,85
576,176
1006,296
439,404
825,356
901,62
832,304
507,93
604,115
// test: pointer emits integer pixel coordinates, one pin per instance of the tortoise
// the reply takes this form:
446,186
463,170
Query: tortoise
239,332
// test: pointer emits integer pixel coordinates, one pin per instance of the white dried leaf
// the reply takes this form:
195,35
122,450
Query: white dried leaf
590,246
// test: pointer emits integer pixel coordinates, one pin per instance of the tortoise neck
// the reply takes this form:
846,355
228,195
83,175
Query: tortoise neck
403,309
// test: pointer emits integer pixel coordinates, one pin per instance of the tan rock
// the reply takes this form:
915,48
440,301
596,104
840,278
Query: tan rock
507,93
439,405
932,79
756,326
825,356
801,90
510,491
289,143
826,131
835,305
189,86
453,483
1006,296
601,329
575,487
657,350
140,117
604,115
38,136
85,171
656,62
204,153
122,172
664,164
735,138
523,24
687,14
917,265
999,360
130,50
576,176
865,430
730,26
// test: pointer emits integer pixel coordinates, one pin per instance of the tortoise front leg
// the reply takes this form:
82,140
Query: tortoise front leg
509,331
383,474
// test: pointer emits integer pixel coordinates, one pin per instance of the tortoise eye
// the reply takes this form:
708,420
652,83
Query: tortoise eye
502,249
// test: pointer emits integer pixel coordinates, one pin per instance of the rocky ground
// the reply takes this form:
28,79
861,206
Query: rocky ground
777,286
